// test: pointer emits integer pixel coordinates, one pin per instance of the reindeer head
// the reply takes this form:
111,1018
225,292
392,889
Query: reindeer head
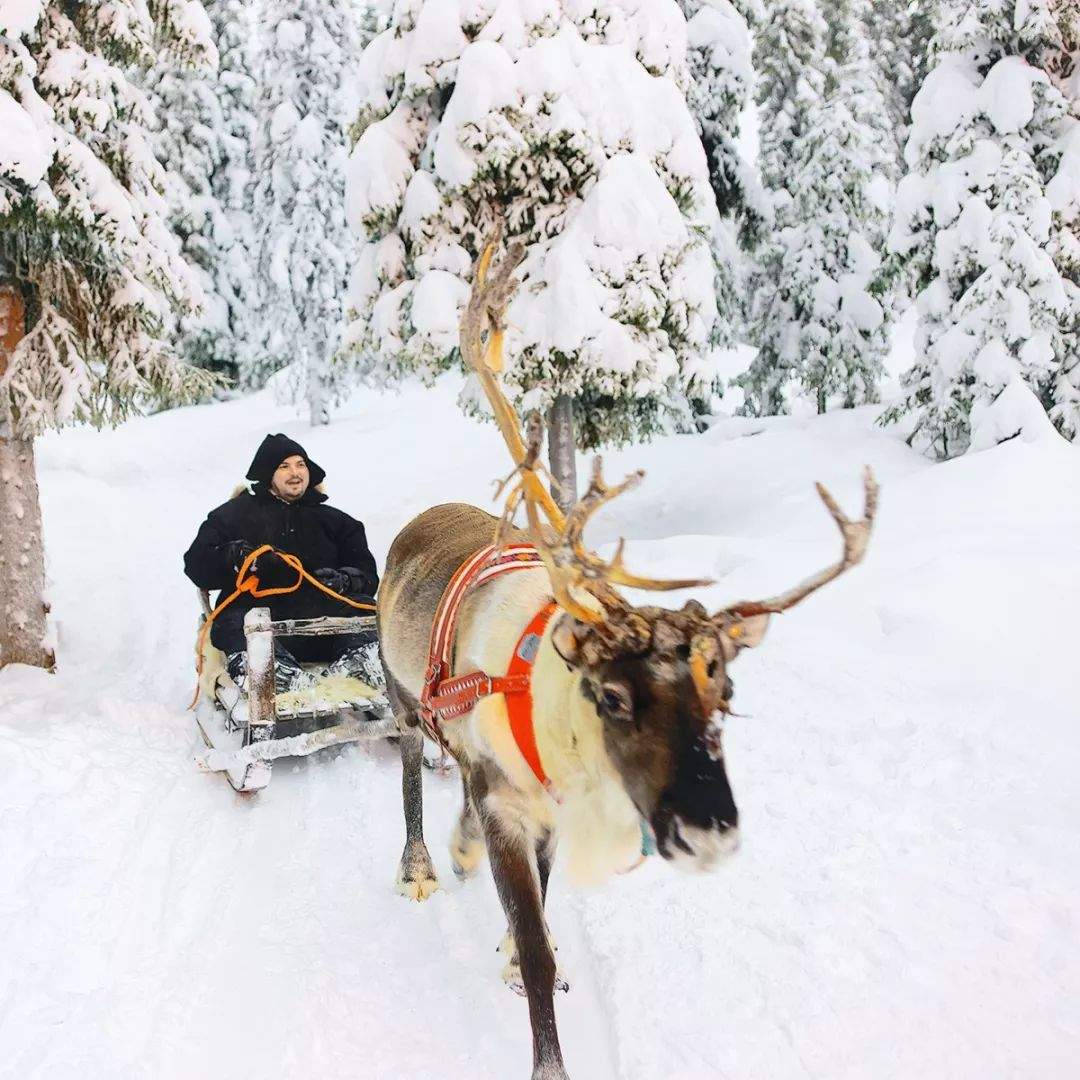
658,679
659,682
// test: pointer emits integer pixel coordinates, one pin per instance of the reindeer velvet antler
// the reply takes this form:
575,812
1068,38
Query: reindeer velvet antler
856,536
578,576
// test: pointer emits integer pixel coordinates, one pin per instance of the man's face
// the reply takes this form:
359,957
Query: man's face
291,479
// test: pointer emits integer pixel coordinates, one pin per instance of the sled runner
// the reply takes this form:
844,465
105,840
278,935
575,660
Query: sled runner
245,730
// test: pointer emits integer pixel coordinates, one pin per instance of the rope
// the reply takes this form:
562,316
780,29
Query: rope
247,582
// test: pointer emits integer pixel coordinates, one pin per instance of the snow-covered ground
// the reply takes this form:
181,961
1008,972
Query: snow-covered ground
905,903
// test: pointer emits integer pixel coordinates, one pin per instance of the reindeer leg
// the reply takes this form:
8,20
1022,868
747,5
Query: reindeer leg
416,877
467,841
517,882
545,855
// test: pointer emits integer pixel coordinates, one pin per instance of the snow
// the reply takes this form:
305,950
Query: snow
379,171
567,305
18,17
26,150
946,101
1006,95
305,248
1064,189
549,112
992,158
905,761
825,159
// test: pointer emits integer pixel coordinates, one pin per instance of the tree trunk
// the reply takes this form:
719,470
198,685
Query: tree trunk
22,559
561,457
316,393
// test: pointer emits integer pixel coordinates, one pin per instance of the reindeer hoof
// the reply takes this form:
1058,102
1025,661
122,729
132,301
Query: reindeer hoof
550,1071
416,877
465,856
418,890
512,977
511,974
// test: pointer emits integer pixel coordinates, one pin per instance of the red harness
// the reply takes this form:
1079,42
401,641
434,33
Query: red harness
444,697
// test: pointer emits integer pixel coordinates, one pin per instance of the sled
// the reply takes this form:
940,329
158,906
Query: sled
244,733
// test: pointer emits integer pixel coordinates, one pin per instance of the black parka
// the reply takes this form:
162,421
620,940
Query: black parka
320,535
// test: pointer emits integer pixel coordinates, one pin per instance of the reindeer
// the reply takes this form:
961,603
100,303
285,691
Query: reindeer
627,702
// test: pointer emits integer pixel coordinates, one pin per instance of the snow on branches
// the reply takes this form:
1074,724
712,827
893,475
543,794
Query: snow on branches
205,141
986,218
568,121
721,83
304,248
824,155
82,217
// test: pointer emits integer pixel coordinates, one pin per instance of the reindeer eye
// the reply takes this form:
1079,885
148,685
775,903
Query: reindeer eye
682,651
615,701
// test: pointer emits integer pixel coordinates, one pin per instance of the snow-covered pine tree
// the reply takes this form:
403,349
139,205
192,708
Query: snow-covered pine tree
372,18
85,246
789,58
304,250
842,198
719,34
994,183
899,33
205,142
569,123
1063,63
818,322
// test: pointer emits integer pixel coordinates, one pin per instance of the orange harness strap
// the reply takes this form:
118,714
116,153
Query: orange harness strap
247,582
446,698
519,700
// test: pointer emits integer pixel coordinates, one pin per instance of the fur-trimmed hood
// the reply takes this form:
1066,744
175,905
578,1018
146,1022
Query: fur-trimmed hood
249,487
273,450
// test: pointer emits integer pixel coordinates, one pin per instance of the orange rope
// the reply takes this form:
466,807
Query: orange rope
250,584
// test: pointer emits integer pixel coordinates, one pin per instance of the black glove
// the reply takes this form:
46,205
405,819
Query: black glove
236,552
348,581
337,580
274,572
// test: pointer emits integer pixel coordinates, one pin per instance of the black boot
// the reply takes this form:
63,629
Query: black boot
363,663
289,675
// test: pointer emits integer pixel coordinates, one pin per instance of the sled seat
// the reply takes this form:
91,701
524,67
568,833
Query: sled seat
244,732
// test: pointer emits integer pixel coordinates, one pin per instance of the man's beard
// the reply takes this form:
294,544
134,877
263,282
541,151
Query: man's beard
289,492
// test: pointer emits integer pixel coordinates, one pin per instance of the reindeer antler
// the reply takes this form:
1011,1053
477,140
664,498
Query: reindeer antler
492,291
856,536
591,566
573,569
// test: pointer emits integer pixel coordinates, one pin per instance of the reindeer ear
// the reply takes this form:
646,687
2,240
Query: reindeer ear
566,637
743,634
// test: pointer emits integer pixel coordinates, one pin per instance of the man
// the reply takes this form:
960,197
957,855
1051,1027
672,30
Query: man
282,506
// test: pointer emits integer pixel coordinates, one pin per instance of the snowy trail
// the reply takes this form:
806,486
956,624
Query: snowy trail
905,900
181,930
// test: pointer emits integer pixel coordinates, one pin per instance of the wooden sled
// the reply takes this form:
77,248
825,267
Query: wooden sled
243,734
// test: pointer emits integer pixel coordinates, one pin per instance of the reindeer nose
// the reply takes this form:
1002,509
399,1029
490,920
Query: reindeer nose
729,689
